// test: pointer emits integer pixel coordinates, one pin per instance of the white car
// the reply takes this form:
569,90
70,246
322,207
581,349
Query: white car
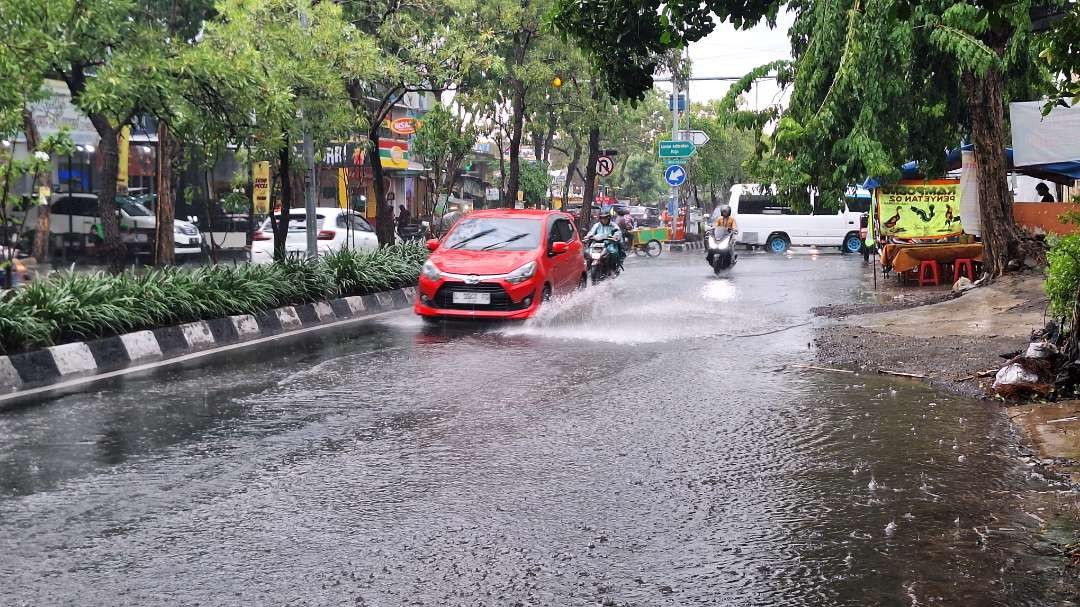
337,229
77,213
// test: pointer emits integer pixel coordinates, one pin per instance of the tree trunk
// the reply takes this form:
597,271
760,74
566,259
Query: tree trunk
1001,240
552,127
109,148
165,209
590,177
570,170
516,125
41,230
384,214
281,224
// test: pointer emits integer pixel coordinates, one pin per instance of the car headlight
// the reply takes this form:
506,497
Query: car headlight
522,274
176,229
430,271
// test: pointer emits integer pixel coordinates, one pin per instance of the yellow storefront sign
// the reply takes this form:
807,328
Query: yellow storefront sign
920,209
124,142
260,191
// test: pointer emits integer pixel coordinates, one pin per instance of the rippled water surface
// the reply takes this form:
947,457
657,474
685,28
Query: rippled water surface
649,442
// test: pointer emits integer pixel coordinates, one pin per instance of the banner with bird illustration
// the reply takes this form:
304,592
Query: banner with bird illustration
920,209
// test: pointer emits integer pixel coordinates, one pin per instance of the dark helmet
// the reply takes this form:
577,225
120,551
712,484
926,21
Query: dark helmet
604,216
622,211
725,211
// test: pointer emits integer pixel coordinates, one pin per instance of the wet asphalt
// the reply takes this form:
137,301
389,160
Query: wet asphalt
650,441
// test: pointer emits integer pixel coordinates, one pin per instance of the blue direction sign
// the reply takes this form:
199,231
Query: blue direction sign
675,175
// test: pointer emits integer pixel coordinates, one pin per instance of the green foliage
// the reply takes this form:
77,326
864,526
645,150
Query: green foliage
67,306
534,181
640,178
1063,275
441,143
1060,53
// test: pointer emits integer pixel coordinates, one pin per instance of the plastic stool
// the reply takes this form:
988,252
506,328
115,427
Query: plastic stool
934,277
963,267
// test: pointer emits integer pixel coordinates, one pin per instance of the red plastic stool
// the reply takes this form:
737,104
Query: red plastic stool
963,267
934,277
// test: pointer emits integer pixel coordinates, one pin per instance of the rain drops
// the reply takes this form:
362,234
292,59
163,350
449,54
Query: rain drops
890,529
962,459
873,484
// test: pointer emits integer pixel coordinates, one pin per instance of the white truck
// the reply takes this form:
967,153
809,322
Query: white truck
766,222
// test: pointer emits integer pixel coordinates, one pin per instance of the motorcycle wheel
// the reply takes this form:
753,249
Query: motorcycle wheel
717,265
596,274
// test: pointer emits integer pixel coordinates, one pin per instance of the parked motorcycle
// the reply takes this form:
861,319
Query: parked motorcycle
599,260
720,249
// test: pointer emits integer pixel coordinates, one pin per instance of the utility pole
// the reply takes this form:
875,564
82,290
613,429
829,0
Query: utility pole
309,171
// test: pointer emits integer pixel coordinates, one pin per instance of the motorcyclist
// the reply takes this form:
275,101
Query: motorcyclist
726,222
626,225
603,230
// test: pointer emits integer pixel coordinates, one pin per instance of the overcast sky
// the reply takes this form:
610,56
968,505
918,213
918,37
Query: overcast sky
730,52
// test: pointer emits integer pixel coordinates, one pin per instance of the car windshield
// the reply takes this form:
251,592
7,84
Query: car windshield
133,209
491,234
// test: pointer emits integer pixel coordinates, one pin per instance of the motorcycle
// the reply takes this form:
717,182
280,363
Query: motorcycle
720,247
600,263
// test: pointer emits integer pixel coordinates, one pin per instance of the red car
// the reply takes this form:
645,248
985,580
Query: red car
501,264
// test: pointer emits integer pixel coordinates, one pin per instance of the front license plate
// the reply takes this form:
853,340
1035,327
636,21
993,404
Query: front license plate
472,298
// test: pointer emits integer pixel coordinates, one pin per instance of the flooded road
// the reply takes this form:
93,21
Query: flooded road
651,441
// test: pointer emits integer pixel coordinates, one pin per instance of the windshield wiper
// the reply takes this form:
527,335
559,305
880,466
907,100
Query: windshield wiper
507,241
479,234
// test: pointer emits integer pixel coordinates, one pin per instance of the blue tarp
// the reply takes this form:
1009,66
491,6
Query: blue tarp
1058,172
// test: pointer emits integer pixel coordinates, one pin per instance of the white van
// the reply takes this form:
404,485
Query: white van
766,222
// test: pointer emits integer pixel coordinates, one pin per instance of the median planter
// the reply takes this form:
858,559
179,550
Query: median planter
54,364
73,324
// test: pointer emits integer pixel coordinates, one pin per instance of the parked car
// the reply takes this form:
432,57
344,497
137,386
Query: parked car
765,221
77,214
501,264
337,229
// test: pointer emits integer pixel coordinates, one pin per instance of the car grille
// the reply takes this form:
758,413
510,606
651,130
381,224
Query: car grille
189,230
500,300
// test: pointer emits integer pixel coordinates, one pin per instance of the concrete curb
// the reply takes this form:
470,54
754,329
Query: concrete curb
686,245
54,364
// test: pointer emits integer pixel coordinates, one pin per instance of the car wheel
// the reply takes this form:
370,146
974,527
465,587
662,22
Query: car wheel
546,295
852,244
777,244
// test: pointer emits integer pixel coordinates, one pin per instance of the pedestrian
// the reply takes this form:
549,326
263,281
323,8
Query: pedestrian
402,220
1044,192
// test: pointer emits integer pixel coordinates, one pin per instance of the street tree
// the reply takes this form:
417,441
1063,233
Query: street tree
442,142
535,182
424,48
719,164
260,75
640,178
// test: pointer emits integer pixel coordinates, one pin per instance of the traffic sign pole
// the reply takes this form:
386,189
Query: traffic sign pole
674,136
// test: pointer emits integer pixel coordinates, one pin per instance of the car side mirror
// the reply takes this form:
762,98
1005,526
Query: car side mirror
432,244
558,248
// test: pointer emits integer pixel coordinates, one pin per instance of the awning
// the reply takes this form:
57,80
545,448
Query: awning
1058,172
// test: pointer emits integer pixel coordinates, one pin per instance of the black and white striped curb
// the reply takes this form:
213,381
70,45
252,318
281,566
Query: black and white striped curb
687,245
56,363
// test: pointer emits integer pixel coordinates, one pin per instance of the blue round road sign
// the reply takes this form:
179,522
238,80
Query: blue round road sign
675,175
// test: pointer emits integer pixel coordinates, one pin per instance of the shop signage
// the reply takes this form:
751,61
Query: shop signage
260,192
920,209
403,126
